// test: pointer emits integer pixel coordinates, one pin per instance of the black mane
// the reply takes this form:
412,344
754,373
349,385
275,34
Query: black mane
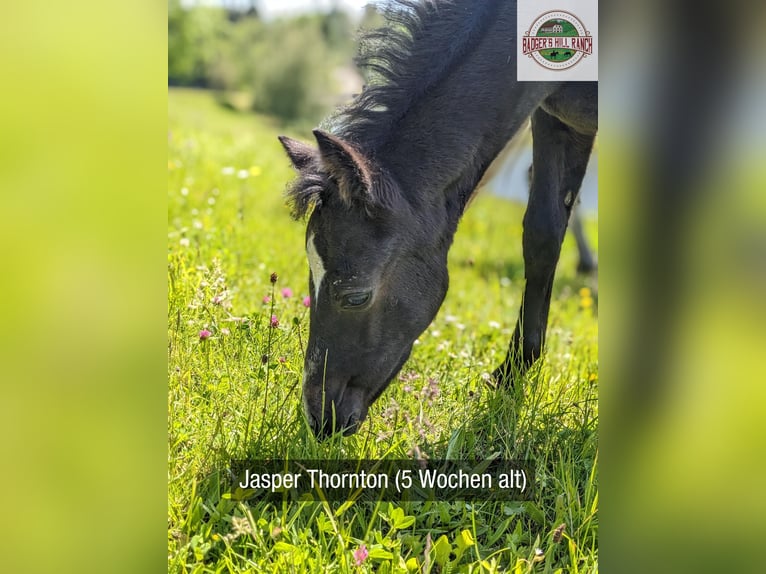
405,59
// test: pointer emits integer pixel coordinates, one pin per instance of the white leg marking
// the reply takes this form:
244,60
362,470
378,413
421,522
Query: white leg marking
316,265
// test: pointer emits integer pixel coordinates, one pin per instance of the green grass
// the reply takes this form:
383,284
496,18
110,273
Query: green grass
237,393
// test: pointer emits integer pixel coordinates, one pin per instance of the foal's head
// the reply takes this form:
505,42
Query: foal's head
378,275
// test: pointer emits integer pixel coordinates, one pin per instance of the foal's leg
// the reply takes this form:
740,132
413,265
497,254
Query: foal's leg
586,263
560,156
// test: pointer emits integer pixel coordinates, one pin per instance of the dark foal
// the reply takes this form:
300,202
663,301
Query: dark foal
385,192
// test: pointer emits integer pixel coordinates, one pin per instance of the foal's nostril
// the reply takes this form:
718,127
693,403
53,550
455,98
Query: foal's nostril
351,421
351,426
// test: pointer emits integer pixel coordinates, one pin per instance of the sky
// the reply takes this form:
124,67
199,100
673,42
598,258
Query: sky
274,8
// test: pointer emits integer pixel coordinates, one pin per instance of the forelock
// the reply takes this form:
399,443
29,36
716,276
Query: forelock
305,193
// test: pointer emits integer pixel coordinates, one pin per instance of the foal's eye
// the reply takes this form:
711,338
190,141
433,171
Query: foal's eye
353,300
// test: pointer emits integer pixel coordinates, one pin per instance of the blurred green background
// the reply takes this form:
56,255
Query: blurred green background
288,60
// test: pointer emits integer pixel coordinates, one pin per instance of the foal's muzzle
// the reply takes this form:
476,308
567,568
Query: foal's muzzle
343,409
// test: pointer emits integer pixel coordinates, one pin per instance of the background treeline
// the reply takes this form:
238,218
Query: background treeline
294,69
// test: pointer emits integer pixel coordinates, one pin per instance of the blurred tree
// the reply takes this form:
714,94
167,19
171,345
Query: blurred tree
338,30
292,71
283,68
238,10
195,38
180,56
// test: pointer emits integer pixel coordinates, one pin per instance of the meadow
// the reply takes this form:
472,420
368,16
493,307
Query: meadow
235,356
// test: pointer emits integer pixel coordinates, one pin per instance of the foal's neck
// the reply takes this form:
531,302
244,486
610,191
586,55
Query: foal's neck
439,148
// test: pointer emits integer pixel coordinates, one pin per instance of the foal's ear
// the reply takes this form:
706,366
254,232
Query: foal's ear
350,169
300,154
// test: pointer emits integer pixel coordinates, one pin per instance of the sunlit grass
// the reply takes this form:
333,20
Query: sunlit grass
235,354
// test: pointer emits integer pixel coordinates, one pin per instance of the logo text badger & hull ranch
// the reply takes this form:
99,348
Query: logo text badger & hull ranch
557,40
